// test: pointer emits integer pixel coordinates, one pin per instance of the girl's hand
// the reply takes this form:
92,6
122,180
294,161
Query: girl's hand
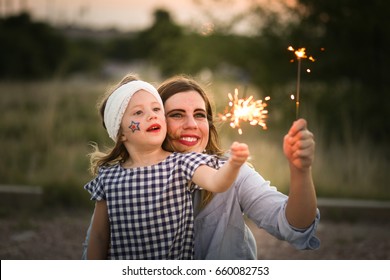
239,153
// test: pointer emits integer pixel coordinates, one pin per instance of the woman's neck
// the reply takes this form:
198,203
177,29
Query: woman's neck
145,158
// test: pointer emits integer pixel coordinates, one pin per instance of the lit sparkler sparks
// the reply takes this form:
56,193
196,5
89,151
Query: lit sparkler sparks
300,54
247,110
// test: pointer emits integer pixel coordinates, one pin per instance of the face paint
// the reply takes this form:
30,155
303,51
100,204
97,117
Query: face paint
134,126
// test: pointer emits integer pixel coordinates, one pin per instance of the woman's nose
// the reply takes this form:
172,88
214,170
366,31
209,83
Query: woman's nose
190,123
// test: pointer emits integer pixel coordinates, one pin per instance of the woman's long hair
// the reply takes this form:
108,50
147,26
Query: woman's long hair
182,83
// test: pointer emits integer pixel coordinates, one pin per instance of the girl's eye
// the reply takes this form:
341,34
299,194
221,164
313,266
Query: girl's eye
138,113
157,109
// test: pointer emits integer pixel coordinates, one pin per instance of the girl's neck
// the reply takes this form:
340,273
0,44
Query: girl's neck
145,158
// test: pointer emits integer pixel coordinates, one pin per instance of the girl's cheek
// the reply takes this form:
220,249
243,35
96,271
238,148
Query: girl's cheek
134,126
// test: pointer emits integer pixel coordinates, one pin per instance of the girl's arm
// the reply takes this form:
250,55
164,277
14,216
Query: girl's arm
220,180
100,233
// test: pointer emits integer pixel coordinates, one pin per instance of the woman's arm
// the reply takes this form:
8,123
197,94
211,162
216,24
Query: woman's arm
266,207
99,239
220,180
299,148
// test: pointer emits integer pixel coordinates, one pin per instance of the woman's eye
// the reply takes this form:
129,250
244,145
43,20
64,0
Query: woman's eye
175,115
200,116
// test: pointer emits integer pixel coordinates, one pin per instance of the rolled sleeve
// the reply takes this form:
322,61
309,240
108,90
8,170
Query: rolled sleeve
302,239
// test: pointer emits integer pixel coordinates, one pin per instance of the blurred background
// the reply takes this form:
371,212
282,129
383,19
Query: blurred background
57,58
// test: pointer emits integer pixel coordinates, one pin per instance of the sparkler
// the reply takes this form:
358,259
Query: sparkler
245,109
300,54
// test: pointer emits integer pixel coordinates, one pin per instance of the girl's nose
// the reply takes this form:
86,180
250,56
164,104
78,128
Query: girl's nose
152,115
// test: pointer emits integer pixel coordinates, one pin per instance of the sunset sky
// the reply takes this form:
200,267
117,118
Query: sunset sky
126,14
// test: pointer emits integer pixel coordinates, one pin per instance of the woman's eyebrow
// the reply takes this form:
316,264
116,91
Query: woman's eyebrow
175,110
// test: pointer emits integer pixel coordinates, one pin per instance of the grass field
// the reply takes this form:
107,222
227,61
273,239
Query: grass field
46,128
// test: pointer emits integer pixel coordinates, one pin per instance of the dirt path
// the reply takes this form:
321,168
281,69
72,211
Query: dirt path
59,235
339,241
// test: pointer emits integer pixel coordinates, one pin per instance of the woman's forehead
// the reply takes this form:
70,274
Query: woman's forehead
186,100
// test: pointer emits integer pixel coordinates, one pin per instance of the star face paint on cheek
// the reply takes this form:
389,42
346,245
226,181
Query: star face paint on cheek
134,126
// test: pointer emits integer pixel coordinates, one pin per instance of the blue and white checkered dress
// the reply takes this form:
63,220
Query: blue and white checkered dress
150,208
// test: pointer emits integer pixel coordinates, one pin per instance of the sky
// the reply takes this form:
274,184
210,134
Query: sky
126,15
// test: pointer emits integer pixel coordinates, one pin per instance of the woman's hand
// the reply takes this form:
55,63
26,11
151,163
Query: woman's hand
299,145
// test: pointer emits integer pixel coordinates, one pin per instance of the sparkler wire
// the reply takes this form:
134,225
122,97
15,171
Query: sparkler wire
298,87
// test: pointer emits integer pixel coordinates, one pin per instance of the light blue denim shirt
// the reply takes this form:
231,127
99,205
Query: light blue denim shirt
220,229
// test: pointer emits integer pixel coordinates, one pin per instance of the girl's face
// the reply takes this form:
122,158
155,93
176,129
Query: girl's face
143,122
188,127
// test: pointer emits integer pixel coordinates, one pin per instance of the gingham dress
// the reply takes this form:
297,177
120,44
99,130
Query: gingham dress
150,208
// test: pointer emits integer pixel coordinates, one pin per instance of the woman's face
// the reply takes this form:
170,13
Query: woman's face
188,127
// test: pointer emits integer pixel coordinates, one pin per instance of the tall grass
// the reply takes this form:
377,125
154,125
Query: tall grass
46,128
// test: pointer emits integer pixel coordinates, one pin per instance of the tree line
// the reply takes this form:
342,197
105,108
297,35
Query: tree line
349,39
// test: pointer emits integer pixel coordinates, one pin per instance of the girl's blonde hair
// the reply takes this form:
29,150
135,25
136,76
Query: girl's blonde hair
118,153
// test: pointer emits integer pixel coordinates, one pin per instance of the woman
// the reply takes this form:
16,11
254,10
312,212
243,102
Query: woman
220,229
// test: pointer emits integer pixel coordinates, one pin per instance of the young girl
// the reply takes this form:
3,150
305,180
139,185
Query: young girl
143,204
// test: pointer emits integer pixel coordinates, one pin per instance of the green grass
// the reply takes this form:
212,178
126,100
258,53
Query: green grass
46,128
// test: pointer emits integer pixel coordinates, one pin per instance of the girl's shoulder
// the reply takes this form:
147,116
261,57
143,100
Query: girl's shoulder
108,169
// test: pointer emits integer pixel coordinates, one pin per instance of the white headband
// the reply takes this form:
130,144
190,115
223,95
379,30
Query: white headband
117,103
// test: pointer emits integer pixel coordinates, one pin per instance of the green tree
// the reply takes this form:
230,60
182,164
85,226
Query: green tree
160,42
356,36
29,49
